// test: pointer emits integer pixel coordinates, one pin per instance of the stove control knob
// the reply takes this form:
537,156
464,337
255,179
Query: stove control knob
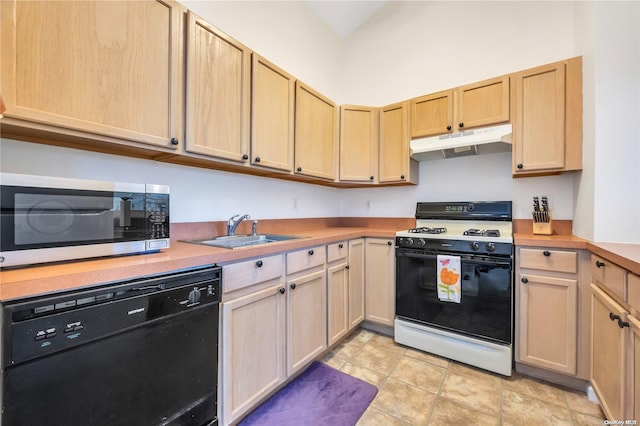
475,246
490,247
408,241
422,242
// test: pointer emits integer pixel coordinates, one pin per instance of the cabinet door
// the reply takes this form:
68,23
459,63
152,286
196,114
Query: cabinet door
608,353
338,302
380,281
107,68
539,122
218,89
432,114
356,282
306,320
253,349
395,163
272,107
316,126
358,143
483,103
548,322
634,412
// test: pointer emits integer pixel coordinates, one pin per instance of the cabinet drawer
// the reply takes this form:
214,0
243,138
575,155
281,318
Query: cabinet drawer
609,275
242,274
304,259
336,251
549,260
633,292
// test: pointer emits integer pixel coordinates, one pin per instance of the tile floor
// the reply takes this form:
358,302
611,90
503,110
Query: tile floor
415,388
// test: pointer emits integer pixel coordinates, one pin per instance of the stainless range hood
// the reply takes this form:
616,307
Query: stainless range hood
487,140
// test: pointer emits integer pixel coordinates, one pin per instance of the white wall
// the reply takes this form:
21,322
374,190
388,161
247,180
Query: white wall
196,194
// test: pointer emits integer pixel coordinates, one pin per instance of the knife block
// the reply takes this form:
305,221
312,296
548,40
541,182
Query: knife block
543,228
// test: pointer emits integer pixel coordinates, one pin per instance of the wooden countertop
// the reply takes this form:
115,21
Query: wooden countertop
554,241
38,280
624,255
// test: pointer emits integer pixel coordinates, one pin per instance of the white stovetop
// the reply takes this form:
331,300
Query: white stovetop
456,228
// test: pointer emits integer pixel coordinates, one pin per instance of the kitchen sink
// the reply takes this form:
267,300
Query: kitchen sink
239,241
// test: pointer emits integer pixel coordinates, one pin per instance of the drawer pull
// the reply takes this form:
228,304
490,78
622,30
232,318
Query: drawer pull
310,252
340,245
293,286
259,264
282,290
599,264
622,324
546,253
524,280
389,243
346,267
613,316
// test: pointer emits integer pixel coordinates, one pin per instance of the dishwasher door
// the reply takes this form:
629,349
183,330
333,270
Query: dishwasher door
131,359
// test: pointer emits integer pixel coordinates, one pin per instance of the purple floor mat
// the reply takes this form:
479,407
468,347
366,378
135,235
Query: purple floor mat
321,395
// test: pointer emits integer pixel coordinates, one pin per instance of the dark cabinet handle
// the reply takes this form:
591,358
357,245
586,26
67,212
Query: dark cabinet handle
299,169
282,290
622,324
461,124
599,264
524,280
293,286
346,267
546,253
520,166
245,157
614,317
370,177
448,127
340,245
310,252
174,141
257,159
389,243
259,263
402,177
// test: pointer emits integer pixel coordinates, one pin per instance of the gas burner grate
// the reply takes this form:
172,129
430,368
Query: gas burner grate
427,230
482,232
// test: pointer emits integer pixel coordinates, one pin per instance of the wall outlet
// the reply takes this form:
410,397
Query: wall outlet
369,204
294,204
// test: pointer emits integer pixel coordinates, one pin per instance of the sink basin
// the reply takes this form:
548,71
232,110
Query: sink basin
239,241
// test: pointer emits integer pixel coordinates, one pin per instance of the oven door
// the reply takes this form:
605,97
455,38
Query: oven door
485,308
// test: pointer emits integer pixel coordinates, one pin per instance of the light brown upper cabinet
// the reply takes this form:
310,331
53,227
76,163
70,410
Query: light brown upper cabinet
358,143
218,93
272,116
547,119
316,128
93,70
395,163
474,105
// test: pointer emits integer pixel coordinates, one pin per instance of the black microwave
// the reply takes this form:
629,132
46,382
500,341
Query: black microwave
51,219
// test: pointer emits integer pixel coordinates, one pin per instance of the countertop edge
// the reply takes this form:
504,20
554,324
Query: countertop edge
624,255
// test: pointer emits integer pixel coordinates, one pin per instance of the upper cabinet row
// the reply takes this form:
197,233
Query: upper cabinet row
165,84
544,105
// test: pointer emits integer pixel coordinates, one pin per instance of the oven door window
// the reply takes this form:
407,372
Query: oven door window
485,307
42,218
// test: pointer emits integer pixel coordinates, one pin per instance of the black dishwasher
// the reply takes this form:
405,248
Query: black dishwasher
141,352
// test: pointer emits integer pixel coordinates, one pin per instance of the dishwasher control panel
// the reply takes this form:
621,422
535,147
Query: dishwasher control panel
43,326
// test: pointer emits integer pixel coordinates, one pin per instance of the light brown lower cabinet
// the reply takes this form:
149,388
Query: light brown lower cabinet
253,332
548,322
380,281
634,324
609,350
306,319
356,282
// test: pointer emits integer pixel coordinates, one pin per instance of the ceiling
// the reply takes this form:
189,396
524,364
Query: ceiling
344,17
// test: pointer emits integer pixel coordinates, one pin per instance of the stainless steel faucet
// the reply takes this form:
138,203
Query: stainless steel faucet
234,221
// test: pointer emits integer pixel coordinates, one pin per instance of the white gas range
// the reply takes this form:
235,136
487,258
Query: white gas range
476,327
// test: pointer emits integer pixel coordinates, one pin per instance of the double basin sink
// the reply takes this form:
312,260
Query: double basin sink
239,241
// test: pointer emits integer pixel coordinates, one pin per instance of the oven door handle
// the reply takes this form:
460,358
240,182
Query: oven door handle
505,264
